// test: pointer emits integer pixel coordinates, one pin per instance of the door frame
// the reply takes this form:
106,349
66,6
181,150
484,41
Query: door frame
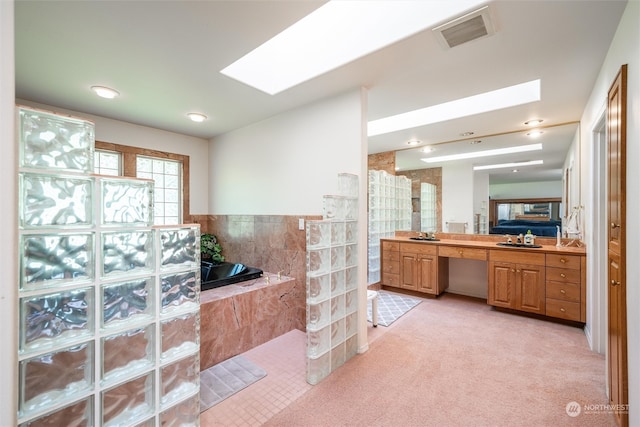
596,325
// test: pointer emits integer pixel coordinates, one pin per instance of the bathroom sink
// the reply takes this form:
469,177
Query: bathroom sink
517,245
427,239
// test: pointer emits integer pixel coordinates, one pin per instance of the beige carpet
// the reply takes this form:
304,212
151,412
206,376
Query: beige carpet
456,362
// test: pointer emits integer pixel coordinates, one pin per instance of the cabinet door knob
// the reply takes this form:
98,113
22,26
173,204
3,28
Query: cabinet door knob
562,260
562,291
562,310
460,252
614,282
563,275
614,225
517,271
512,270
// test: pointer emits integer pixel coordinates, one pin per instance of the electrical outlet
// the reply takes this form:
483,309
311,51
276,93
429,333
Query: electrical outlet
300,223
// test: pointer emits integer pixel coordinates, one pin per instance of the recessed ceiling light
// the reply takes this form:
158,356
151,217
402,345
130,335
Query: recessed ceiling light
533,122
414,142
498,99
357,28
197,117
427,149
535,133
105,92
467,133
475,142
509,165
515,170
486,153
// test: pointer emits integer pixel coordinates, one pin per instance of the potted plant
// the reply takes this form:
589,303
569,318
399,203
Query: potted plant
210,249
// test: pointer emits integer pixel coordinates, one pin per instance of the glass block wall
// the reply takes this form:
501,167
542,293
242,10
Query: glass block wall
428,208
108,304
389,210
332,282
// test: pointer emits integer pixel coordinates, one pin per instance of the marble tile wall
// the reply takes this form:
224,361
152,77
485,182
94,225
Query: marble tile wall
274,244
239,317
382,162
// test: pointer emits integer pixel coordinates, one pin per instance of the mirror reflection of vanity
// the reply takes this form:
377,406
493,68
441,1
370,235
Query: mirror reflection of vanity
464,195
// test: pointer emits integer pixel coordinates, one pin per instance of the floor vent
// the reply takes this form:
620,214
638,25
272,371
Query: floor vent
466,28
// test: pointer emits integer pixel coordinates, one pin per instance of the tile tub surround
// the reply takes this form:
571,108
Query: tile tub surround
239,317
268,242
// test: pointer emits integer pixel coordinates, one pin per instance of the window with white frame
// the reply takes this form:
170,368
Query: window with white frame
167,198
107,163
169,171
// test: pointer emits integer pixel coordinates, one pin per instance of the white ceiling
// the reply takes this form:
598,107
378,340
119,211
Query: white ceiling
165,56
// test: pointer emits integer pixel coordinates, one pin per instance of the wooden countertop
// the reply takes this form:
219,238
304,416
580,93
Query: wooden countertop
488,242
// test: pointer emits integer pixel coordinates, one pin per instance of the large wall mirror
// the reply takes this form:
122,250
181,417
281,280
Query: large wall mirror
465,180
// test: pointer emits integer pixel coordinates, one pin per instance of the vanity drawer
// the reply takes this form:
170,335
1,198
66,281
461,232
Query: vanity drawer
392,267
563,309
563,291
419,248
390,246
388,256
391,279
563,275
563,261
462,252
517,256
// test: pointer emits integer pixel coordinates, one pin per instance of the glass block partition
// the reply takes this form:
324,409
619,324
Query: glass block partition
389,210
428,208
332,282
108,303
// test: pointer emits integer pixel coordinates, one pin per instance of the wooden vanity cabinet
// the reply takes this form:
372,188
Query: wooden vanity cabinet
421,270
390,267
517,281
563,286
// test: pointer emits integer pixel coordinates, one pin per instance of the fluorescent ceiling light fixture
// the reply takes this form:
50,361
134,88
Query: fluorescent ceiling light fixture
105,92
197,117
508,165
510,96
485,153
335,34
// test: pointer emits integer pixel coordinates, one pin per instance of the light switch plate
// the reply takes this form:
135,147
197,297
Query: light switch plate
300,223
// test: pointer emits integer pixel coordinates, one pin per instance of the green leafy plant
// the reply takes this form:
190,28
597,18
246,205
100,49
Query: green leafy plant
210,249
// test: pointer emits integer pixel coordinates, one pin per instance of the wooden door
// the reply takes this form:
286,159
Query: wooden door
502,282
616,216
428,274
530,288
409,271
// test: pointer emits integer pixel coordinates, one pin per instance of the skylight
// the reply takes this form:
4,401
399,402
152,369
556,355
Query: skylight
335,34
510,96
485,153
508,165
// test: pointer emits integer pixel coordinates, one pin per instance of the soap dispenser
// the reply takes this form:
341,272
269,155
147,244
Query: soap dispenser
529,238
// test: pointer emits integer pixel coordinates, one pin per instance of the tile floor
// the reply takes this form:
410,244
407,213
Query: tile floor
284,360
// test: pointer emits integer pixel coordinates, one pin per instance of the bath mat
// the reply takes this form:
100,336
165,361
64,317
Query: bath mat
391,307
225,379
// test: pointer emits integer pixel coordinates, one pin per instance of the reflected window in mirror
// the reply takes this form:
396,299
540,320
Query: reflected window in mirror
518,216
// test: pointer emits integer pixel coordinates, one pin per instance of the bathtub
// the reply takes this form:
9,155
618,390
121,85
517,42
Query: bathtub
225,273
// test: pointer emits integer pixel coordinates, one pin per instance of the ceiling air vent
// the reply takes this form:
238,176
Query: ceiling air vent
461,30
